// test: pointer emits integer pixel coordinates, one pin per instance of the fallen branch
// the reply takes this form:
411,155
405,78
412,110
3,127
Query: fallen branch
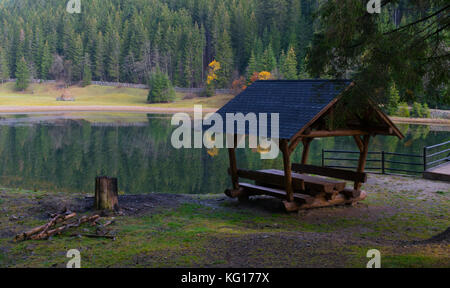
55,220
63,228
99,236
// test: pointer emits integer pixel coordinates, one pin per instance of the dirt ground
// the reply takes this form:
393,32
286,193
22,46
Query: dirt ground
406,219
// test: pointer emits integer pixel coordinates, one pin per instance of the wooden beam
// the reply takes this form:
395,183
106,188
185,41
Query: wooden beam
287,170
330,172
324,133
359,143
294,144
306,145
362,159
233,165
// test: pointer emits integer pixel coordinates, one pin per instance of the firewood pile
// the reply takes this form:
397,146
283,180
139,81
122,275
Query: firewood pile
65,221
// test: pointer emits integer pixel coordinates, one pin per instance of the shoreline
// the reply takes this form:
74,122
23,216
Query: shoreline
424,121
168,110
99,108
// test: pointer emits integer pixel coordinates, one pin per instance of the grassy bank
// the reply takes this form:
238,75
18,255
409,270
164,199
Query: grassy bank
94,95
164,230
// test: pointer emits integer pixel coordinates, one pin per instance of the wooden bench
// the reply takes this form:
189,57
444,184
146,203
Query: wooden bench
357,177
301,183
252,190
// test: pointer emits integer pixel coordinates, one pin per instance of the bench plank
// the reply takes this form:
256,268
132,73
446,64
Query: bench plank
261,190
330,172
316,184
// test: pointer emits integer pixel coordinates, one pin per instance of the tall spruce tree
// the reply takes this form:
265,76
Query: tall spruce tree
4,65
46,61
22,75
289,68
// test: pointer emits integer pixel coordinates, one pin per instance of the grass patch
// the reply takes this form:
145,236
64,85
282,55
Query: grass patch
46,94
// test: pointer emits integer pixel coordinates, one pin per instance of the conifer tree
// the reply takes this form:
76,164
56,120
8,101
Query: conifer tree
269,60
4,65
224,55
46,61
22,75
113,56
87,73
99,57
253,65
289,68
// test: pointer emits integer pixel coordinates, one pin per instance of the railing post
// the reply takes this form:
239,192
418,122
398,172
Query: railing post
323,159
424,158
382,163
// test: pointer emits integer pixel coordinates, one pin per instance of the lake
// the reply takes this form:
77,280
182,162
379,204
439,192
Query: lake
66,151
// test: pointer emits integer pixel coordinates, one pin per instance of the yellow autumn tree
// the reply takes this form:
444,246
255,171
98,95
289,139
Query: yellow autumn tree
213,67
264,75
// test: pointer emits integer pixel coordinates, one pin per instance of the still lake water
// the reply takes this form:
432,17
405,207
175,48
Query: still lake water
65,152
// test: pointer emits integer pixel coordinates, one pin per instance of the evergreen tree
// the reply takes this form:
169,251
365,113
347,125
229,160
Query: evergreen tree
22,75
161,89
4,65
113,56
253,65
87,74
269,60
289,68
99,71
46,61
224,55
394,99
77,58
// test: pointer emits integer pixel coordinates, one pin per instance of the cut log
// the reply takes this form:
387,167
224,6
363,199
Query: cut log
291,206
351,193
338,200
106,195
234,193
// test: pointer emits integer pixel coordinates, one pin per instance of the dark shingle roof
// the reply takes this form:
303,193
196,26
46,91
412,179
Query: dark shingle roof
297,102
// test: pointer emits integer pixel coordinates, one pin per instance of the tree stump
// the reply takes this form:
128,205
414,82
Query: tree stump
106,196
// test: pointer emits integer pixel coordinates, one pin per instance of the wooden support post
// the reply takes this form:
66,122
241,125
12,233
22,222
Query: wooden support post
233,165
106,194
362,157
287,170
306,144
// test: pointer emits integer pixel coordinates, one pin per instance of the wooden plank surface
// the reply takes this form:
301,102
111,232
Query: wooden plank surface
261,190
441,172
317,184
330,172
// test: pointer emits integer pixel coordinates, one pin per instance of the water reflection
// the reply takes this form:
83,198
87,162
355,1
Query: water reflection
65,152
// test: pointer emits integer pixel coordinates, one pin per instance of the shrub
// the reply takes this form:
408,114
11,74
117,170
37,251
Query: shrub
416,110
403,110
426,111
394,98
161,89
209,90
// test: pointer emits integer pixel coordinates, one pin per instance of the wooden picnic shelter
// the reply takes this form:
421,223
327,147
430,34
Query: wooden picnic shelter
307,109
